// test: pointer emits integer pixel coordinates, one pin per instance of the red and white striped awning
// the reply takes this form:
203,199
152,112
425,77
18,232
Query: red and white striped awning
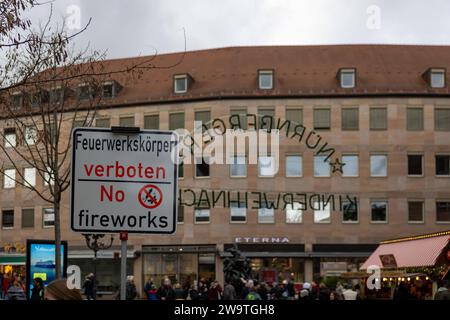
420,252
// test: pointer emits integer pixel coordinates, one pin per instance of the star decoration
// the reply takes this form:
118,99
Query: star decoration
337,165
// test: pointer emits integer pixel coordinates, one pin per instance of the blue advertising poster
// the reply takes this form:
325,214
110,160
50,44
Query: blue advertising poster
41,262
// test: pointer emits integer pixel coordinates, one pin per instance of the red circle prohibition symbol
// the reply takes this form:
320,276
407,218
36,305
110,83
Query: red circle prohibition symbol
150,196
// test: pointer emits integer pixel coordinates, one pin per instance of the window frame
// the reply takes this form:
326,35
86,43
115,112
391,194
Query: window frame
5,177
25,182
10,132
436,202
350,154
285,165
438,108
314,167
103,119
345,71
124,116
435,165
386,221
259,221
357,213
265,72
294,108
422,162
232,164
286,213
231,215
202,222
422,201
342,118
441,71
151,115
259,171
329,117
14,214
177,77
370,165
21,217
195,170
43,220
322,210
386,119
408,127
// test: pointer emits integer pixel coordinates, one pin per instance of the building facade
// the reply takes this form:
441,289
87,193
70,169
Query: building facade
381,111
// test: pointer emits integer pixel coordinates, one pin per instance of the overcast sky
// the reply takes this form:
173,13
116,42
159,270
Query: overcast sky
138,27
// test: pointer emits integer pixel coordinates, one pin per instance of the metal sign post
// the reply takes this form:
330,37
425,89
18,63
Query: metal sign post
123,265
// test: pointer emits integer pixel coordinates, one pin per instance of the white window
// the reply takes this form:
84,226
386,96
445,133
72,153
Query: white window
322,214
48,217
378,165
351,167
265,79
321,167
201,215
10,138
180,83
30,177
266,166
437,78
294,166
266,215
238,167
9,178
30,135
294,213
49,177
238,212
347,78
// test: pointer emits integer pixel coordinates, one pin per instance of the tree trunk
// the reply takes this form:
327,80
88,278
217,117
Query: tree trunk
56,208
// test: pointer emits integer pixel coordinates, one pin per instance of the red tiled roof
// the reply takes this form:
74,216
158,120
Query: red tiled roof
418,252
298,71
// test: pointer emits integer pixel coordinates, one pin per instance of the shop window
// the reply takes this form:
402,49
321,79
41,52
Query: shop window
126,121
7,219
379,211
349,212
415,165
103,123
414,119
378,165
294,115
378,119
238,167
294,213
27,218
265,79
415,211
48,217
9,179
238,212
242,114
202,169
294,166
29,177
351,167
350,119
443,165
322,212
151,122
442,119
266,166
176,121
10,138
443,211
322,119
321,168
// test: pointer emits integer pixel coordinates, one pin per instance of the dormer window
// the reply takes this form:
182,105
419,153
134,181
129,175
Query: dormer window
56,95
181,83
347,78
437,78
17,100
110,89
265,79
38,97
84,92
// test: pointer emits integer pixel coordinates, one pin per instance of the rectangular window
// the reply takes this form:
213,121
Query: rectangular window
415,211
266,215
7,219
80,123
294,166
151,122
443,165
266,166
126,121
56,96
9,179
180,83
180,218
443,211
201,215
294,213
437,78
181,170
321,167
322,214
378,119
294,115
351,166
10,138
265,79
238,212
349,212
322,119
442,119
266,112
241,122
350,119
415,166
48,217
205,118
108,90
30,136
84,92
379,211
176,121
17,100
348,78
414,119
378,165
103,123
49,177
238,167
201,169
29,175
27,218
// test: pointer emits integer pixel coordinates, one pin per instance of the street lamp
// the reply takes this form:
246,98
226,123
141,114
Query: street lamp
93,243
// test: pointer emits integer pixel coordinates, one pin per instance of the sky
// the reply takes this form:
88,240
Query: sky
142,27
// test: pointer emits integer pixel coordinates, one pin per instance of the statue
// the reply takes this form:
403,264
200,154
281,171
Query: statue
236,268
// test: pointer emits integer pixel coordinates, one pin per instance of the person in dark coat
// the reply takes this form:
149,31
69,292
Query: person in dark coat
165,292
89,287
215,291
229,292
37,293
130,291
